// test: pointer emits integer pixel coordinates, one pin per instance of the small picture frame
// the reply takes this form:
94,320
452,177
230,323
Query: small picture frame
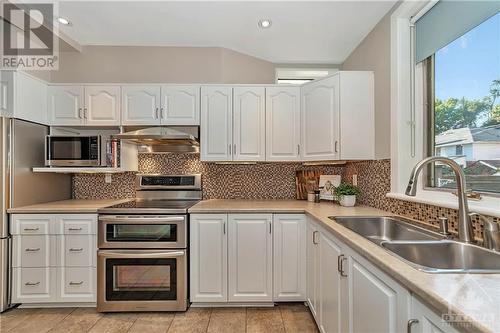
326,185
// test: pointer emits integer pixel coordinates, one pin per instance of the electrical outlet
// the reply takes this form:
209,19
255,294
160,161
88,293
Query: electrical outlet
355,180
107,178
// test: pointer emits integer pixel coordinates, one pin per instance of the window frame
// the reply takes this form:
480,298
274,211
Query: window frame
406,118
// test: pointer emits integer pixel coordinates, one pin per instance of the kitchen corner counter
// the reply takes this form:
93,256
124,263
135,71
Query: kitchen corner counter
66,206
471,296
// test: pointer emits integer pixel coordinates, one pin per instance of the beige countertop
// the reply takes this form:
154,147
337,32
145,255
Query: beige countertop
476,296
67,206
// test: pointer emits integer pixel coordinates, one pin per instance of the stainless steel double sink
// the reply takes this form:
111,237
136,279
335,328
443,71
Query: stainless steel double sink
423,249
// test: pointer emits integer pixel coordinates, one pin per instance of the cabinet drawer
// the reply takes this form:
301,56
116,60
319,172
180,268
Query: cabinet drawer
78,250
76,224
78,284
34,251
33,285
30,224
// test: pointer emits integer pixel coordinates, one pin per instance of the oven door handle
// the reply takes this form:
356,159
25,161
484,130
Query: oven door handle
140,254
122,219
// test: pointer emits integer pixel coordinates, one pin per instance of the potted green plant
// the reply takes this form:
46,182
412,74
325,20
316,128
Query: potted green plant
346,194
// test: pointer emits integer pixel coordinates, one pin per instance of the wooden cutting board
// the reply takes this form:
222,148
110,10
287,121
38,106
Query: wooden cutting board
301,179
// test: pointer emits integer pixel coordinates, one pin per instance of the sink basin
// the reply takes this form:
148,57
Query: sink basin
382,229
446,256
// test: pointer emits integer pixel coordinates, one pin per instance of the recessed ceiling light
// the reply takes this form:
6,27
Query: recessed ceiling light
265,23
63,20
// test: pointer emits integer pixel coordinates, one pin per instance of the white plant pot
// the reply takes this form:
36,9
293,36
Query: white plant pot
348,200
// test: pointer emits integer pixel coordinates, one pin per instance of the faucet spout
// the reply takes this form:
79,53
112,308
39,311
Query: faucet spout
465,229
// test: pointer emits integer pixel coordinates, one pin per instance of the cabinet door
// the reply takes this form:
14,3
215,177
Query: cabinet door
180,105
216,123
208,257
34,285
250,257
77,284
330,286
249,141
312,265
34,251
282,123
428,321
65,104
289,257
141,105
102,105
31,99
376,302
320,120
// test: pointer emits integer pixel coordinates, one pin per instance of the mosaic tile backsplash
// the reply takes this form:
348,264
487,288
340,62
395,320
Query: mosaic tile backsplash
264,181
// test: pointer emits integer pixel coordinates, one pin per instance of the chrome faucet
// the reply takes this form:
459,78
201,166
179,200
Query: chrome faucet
465,231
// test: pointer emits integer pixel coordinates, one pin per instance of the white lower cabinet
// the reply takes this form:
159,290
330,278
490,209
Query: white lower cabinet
231,258
54,258
250,258
208,257
289,247
424,320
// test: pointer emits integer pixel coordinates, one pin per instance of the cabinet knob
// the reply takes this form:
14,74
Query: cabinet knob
31,229
73,283
74,229
32,250
32,283
73,249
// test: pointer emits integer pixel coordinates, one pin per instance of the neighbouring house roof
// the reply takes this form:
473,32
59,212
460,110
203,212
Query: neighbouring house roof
461,136
483,167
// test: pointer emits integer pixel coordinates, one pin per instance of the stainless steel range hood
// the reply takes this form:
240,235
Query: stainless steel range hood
164,139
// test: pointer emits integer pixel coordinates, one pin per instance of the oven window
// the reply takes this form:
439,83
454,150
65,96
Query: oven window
141,233
141,279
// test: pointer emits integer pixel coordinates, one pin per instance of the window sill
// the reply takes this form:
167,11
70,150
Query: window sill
488,205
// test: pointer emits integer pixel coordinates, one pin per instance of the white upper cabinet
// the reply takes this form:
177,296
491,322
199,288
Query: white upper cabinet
31,99
65,104
249,124
250,258
6,93
320,120
282,123
102,105
216,123
180,105
141,105
335,110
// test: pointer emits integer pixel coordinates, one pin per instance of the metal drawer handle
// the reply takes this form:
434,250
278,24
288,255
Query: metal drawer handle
410,324
31,229
76,249
74,229
314,237
73,283
32,250
32,283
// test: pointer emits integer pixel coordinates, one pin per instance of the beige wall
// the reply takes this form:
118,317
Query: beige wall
116,64
374,54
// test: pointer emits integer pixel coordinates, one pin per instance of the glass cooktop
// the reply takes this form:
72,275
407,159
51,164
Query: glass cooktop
138,206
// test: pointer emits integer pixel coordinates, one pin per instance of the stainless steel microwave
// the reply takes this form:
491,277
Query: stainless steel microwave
68,151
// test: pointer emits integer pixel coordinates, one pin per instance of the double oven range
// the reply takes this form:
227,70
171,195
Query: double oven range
143,246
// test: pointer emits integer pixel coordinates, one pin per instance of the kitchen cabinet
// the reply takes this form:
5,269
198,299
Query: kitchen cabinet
334,111
180,105
289,247
424,320
250,258
208,254
216,123
102,106
249,134
141,105
54,258
23,96
312,265
282,123
65,105
74,105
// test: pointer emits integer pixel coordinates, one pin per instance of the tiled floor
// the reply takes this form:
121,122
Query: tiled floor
283,318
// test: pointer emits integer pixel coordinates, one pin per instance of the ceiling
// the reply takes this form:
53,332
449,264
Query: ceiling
302,31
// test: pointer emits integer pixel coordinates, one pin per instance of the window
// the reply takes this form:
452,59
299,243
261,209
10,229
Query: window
301,75
463,98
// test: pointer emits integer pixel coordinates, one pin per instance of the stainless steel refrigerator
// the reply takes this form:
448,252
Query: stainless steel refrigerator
21,148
